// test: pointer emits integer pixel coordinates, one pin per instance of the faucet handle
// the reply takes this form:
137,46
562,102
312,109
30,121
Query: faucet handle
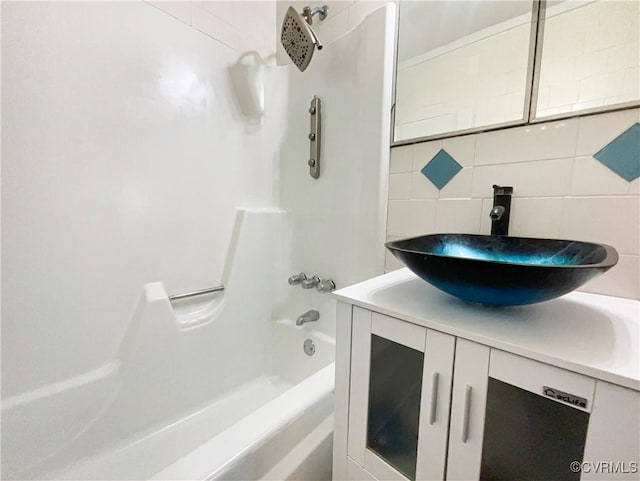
310,283
297,279
326,285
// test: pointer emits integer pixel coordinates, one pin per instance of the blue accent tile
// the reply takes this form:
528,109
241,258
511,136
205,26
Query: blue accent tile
441,169
622,154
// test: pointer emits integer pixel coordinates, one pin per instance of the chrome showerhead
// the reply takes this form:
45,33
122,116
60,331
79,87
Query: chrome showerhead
297,37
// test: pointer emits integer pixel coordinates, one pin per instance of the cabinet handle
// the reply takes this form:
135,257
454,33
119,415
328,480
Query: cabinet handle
466,413
434,397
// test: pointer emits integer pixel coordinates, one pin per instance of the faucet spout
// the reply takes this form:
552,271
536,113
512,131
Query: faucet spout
497,212
309,316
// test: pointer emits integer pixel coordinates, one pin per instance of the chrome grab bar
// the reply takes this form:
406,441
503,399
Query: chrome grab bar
201,292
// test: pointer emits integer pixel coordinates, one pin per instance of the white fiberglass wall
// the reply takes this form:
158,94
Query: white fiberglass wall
130,156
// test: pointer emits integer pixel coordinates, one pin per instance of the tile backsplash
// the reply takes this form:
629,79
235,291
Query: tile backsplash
560,189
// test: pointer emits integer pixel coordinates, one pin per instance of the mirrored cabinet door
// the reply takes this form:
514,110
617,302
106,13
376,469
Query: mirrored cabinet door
462,65
588,58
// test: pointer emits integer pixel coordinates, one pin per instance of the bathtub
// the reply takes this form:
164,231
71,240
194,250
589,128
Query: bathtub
278,425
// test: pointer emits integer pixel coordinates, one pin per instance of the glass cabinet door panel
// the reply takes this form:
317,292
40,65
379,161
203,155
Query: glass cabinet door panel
395,384
528,437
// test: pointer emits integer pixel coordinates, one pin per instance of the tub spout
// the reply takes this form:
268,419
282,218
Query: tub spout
309,316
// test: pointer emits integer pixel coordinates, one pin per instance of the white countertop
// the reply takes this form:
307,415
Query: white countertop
591,334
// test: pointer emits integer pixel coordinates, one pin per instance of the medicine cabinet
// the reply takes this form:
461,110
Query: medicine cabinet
473,65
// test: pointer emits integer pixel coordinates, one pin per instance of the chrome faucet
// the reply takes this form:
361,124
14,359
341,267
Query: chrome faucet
497,212
297,279
326,285
309,316
310,283
501,209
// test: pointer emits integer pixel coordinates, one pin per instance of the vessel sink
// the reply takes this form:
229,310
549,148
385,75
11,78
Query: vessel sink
502,270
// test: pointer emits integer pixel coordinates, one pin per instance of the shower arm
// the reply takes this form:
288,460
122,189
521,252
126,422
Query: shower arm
308,13
316,40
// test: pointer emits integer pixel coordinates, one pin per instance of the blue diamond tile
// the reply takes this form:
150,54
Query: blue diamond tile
622,154
441,169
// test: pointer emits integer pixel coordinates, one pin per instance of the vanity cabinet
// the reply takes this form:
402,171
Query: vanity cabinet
415,402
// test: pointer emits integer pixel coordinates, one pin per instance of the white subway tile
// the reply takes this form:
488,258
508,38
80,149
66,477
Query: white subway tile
423,188
459,186
179,10
590,64
596,131
215,27
600,86
631,86
411,217
400,186
361,9
463,149
550,140
534,217
608,220
257,19
622,280
424,152
544,178
401,159
458,216
222,10
592,177
563,95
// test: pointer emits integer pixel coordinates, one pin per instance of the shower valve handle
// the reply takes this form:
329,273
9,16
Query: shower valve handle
297,279
311,283
326,285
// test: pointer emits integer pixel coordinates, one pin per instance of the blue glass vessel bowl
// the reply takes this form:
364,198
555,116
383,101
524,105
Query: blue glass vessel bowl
502,270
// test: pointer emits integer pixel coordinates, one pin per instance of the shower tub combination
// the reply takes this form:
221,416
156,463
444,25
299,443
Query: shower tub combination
221,387
201,388
277,426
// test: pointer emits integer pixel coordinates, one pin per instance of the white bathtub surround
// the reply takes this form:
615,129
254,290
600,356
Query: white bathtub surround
168,366
338,220
560,190
127,172
143,177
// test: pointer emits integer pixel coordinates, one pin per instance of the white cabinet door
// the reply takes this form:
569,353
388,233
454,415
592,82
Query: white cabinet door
467,411
613,440
514,418
399,398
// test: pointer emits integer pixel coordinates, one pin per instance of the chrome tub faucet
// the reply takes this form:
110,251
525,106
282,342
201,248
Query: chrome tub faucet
309,316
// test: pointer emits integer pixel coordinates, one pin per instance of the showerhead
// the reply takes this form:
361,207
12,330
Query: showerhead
297,37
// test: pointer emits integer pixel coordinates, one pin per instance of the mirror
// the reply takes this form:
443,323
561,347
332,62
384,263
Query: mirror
462,65
590,57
